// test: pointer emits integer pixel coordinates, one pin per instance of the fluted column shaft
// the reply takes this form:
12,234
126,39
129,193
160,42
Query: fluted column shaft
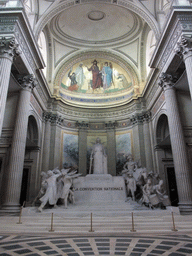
188,64
179,150
46,146
8,49
184,49
17,154
147,142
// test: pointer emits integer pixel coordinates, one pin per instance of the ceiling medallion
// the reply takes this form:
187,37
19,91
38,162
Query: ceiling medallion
96,15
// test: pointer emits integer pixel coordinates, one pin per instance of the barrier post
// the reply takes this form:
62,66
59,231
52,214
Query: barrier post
91,230
173,229
133,229
51,230
20,214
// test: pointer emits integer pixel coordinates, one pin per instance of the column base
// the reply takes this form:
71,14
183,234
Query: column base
185,208
10,209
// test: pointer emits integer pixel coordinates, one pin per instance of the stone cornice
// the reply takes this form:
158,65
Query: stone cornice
15,23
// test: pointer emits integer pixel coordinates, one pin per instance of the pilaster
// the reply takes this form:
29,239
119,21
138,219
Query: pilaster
83,126
111,147
147,141
46,145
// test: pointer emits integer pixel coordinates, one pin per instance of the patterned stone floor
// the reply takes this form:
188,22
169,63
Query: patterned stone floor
133,245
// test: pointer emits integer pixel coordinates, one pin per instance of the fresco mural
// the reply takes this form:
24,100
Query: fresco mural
91,140
124,146
98,76
70,151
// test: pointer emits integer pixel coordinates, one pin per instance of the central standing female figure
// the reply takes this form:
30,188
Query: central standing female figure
98,158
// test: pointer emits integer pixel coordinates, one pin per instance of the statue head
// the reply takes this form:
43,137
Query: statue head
49,173
98,140
129,157
161,182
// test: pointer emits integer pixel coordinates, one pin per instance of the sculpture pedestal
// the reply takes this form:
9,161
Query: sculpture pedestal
99,188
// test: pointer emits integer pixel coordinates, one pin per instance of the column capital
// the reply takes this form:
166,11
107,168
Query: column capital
82,125
8,47
136,119
111,125
184,46
56,119
27,81
47,116
146,116
167,81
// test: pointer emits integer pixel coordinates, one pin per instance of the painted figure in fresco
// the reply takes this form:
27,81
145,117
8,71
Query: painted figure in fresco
80,75
107,76
73,86
96,76
98,159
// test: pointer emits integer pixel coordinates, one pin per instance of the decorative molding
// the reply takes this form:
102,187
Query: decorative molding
170,46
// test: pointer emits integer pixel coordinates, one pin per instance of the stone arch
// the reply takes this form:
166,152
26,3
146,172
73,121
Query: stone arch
162,129
31,162
59,7
164,157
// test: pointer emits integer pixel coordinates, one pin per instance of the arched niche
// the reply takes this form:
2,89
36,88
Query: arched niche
32,134
165,158
162,132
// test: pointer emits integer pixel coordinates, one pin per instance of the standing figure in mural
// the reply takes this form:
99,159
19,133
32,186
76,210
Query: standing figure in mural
80,75
107,76
51,194
98,159
73,86
96,76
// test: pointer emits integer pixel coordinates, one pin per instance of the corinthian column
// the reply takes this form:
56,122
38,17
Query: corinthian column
46,147
8,50
16,160
147,142
181,164
184,49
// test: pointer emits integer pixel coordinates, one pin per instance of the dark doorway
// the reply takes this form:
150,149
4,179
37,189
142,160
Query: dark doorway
24,186
172,186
